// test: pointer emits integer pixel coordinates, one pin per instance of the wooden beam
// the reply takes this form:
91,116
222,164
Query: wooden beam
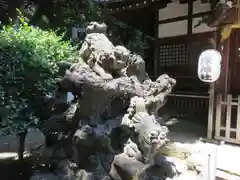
211,104
180,18
190,16
115,4
184,38
115,7
129,7
156,48
237,10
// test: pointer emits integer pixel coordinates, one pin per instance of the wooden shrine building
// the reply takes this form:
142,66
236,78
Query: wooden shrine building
182,29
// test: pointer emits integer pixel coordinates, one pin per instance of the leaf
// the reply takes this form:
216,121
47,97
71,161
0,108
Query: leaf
28,69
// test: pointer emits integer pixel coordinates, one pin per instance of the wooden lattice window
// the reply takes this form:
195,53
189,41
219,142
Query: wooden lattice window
173,54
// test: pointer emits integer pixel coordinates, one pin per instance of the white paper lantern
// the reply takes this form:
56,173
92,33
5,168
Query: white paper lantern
209,65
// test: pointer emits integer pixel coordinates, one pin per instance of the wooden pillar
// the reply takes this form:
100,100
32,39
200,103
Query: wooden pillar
237,5
211,98
222,84
210,111
156,47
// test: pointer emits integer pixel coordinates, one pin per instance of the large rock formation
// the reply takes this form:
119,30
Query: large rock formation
111,128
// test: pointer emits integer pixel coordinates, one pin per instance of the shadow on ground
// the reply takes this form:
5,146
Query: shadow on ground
11,169
184,131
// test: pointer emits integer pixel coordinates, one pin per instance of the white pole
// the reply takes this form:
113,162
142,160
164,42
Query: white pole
209,169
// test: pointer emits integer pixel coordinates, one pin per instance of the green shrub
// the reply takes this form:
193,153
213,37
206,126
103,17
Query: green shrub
28,70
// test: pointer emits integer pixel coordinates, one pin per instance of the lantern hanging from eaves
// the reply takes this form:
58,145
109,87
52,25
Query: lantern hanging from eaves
209,65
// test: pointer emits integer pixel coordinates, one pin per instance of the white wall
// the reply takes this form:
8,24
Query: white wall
198,7
172,29
175,9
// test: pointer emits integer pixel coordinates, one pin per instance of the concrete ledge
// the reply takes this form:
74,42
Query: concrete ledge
221,175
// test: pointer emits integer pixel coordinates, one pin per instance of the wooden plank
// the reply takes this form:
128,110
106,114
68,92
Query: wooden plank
232,103
180,18
223,175
238,120
229,140
228,115
184,38
188,96
231,129
218,115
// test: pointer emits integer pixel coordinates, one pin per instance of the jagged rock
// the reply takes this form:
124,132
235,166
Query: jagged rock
111,93
180,165
84,175
146,127
65,170
95,27
132,151
156,172
101,55
125,168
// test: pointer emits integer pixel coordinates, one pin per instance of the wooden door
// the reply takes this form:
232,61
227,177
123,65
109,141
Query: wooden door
234,62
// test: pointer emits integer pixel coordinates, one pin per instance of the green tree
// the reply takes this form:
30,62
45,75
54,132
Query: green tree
29,55
64,14
28,71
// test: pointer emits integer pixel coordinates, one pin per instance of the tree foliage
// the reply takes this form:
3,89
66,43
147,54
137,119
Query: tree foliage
28,54
64,14
28,58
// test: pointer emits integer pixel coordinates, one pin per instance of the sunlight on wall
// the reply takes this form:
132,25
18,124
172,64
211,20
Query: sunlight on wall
178,28
173,10
199,7
172,29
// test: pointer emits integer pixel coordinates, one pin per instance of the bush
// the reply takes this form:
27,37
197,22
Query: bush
28,70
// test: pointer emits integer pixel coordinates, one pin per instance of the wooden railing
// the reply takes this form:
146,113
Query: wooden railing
227,121
188,105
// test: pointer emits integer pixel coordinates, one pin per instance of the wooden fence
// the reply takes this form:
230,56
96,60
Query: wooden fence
226,113
227,121
188,106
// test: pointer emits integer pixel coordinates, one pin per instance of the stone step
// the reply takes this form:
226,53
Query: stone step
222,175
